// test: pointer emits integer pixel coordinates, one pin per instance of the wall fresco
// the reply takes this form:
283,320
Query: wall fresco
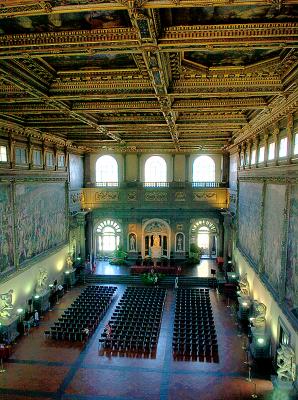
6,228
76,172
273,232
249,231
292,251
233,172
40,218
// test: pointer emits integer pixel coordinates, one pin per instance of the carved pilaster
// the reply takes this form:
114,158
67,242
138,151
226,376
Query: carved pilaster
12,150
266,146
257,147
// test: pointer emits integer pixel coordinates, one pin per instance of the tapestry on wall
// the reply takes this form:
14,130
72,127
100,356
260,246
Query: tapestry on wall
249,214
273,232
40,218
292,254
6,228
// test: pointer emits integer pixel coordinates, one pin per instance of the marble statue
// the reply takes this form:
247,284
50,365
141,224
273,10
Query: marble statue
41,284
286,367
244,285
69,261
260,309
6,306
156,248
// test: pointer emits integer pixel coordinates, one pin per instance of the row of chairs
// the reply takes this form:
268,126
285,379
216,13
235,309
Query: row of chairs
194,335
79,321
135,324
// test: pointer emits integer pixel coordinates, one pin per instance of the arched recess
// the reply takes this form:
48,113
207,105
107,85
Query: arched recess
156,228
180,242
107,235
205,234
106,169
203,169
155,170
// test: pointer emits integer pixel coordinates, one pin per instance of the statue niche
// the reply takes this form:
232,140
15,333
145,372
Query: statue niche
155,250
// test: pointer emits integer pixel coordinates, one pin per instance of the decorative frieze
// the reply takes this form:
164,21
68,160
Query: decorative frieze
156,196
106,196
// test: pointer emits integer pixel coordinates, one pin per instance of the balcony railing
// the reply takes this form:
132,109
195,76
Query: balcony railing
156,184
206,184
107,184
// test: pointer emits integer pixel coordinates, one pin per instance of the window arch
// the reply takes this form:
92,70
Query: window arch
203,169
108,234
106,171
155,169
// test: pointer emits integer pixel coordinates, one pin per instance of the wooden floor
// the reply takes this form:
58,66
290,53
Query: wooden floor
44,369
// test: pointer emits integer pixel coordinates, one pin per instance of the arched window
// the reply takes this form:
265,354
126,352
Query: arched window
106,171
108,236
203,169
155,170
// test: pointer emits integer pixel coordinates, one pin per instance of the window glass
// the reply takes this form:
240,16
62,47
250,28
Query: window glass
3,154
36,155
49,159
155,169
271,151
253,157
203,169
262,154
21,155
61,160
283,147
296,144
107,170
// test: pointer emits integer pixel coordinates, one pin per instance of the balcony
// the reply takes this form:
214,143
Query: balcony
164,195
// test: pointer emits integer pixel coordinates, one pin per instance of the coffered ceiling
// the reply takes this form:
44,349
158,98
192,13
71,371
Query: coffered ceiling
136,75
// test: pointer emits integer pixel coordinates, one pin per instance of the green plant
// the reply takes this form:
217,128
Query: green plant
119,257
151,278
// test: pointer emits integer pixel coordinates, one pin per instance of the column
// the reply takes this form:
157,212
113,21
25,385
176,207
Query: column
276,141
12,150
257,147
124,167
138,167
266,146
43,154
81,222
225,168
239,156
173,167
29,149
290,136
248,149
55,158
187,168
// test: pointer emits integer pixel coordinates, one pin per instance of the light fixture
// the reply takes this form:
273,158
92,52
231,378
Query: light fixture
245,304
51,285
229,262
67,272
233,276
261,340
20,310
36,296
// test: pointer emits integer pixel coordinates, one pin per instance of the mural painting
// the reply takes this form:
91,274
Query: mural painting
233,171
6,229
76,171
95,61
249,233
229,15
40,218
292,254
65,22
235,58
273,232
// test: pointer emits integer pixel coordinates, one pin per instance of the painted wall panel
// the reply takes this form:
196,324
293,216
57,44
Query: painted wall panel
292,250
249,231
76,171
40,218
6,228
273,232
233,172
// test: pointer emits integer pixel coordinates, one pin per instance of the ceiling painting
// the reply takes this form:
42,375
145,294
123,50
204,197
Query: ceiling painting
65,22
228,15
96,61
234,58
